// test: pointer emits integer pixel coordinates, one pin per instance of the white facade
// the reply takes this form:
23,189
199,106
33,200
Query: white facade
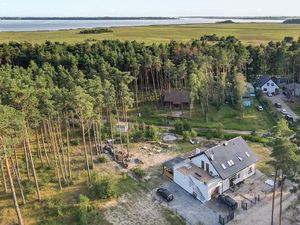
209,183
269,87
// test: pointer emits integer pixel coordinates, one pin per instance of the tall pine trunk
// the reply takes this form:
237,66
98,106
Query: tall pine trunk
13,192
273,197
3,176
32,165
280,207
18,180
85,149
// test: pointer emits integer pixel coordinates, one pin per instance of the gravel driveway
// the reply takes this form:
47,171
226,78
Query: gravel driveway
280,99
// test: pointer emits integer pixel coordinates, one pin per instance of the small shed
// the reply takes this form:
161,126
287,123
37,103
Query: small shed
177,98
122,127
168,167
247,101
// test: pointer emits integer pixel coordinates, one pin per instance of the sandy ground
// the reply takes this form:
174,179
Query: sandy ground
136,211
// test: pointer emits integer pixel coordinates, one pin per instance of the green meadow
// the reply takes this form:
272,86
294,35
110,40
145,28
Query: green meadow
250,33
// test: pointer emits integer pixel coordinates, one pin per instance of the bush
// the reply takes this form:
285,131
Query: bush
152,133
47,221
138,172
84,210
187,135
103,187
74,142
96,31
102,159
182,125
258,139
54,208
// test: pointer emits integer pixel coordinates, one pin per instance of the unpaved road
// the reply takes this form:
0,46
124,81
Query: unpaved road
280,99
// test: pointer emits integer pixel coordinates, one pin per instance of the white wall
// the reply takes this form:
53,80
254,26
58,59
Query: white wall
244,174
270,88
197,161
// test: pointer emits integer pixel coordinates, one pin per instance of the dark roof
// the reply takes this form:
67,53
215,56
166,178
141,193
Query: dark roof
262,80
280,80
292,86
171,163
176,96
236,150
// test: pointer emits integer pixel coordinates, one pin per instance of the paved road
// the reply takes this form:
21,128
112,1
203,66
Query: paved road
280,99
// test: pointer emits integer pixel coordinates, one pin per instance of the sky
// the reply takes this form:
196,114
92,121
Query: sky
86,8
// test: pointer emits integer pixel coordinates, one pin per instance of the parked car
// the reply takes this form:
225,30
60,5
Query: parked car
269,94
227,200
283,111
165,194
278,105
260,108
289,118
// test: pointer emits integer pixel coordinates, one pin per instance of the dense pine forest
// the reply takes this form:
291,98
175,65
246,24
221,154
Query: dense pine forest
56,95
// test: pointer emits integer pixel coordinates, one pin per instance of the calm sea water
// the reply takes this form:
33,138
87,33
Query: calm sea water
36,25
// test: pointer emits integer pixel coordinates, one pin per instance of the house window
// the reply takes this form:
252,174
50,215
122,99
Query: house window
250,170
202,164
207,167
265,89
272,84
268,84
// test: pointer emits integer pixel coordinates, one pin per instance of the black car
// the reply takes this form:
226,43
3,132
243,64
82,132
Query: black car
165,194
227,200
278,105
289,118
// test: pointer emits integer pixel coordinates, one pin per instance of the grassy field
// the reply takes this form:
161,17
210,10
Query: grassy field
263,154
227,116
248,33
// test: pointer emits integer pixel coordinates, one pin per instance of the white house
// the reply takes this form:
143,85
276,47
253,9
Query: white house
267,85
214,171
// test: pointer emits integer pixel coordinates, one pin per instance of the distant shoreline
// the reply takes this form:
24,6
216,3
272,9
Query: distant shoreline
153,18
89,18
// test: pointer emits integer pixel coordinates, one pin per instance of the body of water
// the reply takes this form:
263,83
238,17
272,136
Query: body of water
42,25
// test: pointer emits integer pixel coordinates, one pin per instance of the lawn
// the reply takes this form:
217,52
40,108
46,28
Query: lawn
228,116
263,155
295,107
251,33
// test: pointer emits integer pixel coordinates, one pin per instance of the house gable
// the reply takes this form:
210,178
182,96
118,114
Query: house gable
231,157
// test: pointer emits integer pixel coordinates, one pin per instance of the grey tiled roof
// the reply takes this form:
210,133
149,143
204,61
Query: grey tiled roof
236,150
262,80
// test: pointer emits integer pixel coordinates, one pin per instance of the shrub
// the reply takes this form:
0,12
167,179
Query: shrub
102,159
103,187
182,125
54,208
96,31
84,210
138,172
187,135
